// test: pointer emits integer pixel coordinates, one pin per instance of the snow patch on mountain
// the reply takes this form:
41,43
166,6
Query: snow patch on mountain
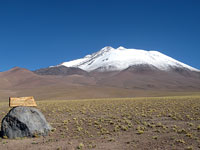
110,59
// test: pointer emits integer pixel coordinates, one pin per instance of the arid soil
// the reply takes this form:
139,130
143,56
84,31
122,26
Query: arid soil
169,123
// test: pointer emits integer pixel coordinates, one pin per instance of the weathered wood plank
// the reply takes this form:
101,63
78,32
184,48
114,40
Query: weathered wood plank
22,101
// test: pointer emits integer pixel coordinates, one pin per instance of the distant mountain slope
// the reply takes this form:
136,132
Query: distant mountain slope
110,59
141,80
60,70
147,77
22,82
23,78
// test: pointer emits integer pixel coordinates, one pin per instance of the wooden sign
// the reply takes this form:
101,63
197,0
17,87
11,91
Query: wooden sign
22,101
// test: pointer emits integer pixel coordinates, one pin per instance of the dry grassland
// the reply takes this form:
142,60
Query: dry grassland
171,123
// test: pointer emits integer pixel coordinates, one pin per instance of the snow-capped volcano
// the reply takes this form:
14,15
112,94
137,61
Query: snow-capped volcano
111,59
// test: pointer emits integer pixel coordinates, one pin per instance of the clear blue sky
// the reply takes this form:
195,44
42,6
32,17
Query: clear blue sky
40,33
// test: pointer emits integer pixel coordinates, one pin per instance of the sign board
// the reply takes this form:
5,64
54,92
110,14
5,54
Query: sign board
22,101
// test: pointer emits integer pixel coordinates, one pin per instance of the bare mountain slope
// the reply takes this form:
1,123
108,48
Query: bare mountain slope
60,70
22,82
133,81
150,78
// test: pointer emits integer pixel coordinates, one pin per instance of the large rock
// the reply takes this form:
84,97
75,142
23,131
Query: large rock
24,122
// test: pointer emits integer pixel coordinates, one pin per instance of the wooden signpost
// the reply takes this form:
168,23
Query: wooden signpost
22,101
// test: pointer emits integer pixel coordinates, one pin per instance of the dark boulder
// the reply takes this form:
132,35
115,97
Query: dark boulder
24,122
